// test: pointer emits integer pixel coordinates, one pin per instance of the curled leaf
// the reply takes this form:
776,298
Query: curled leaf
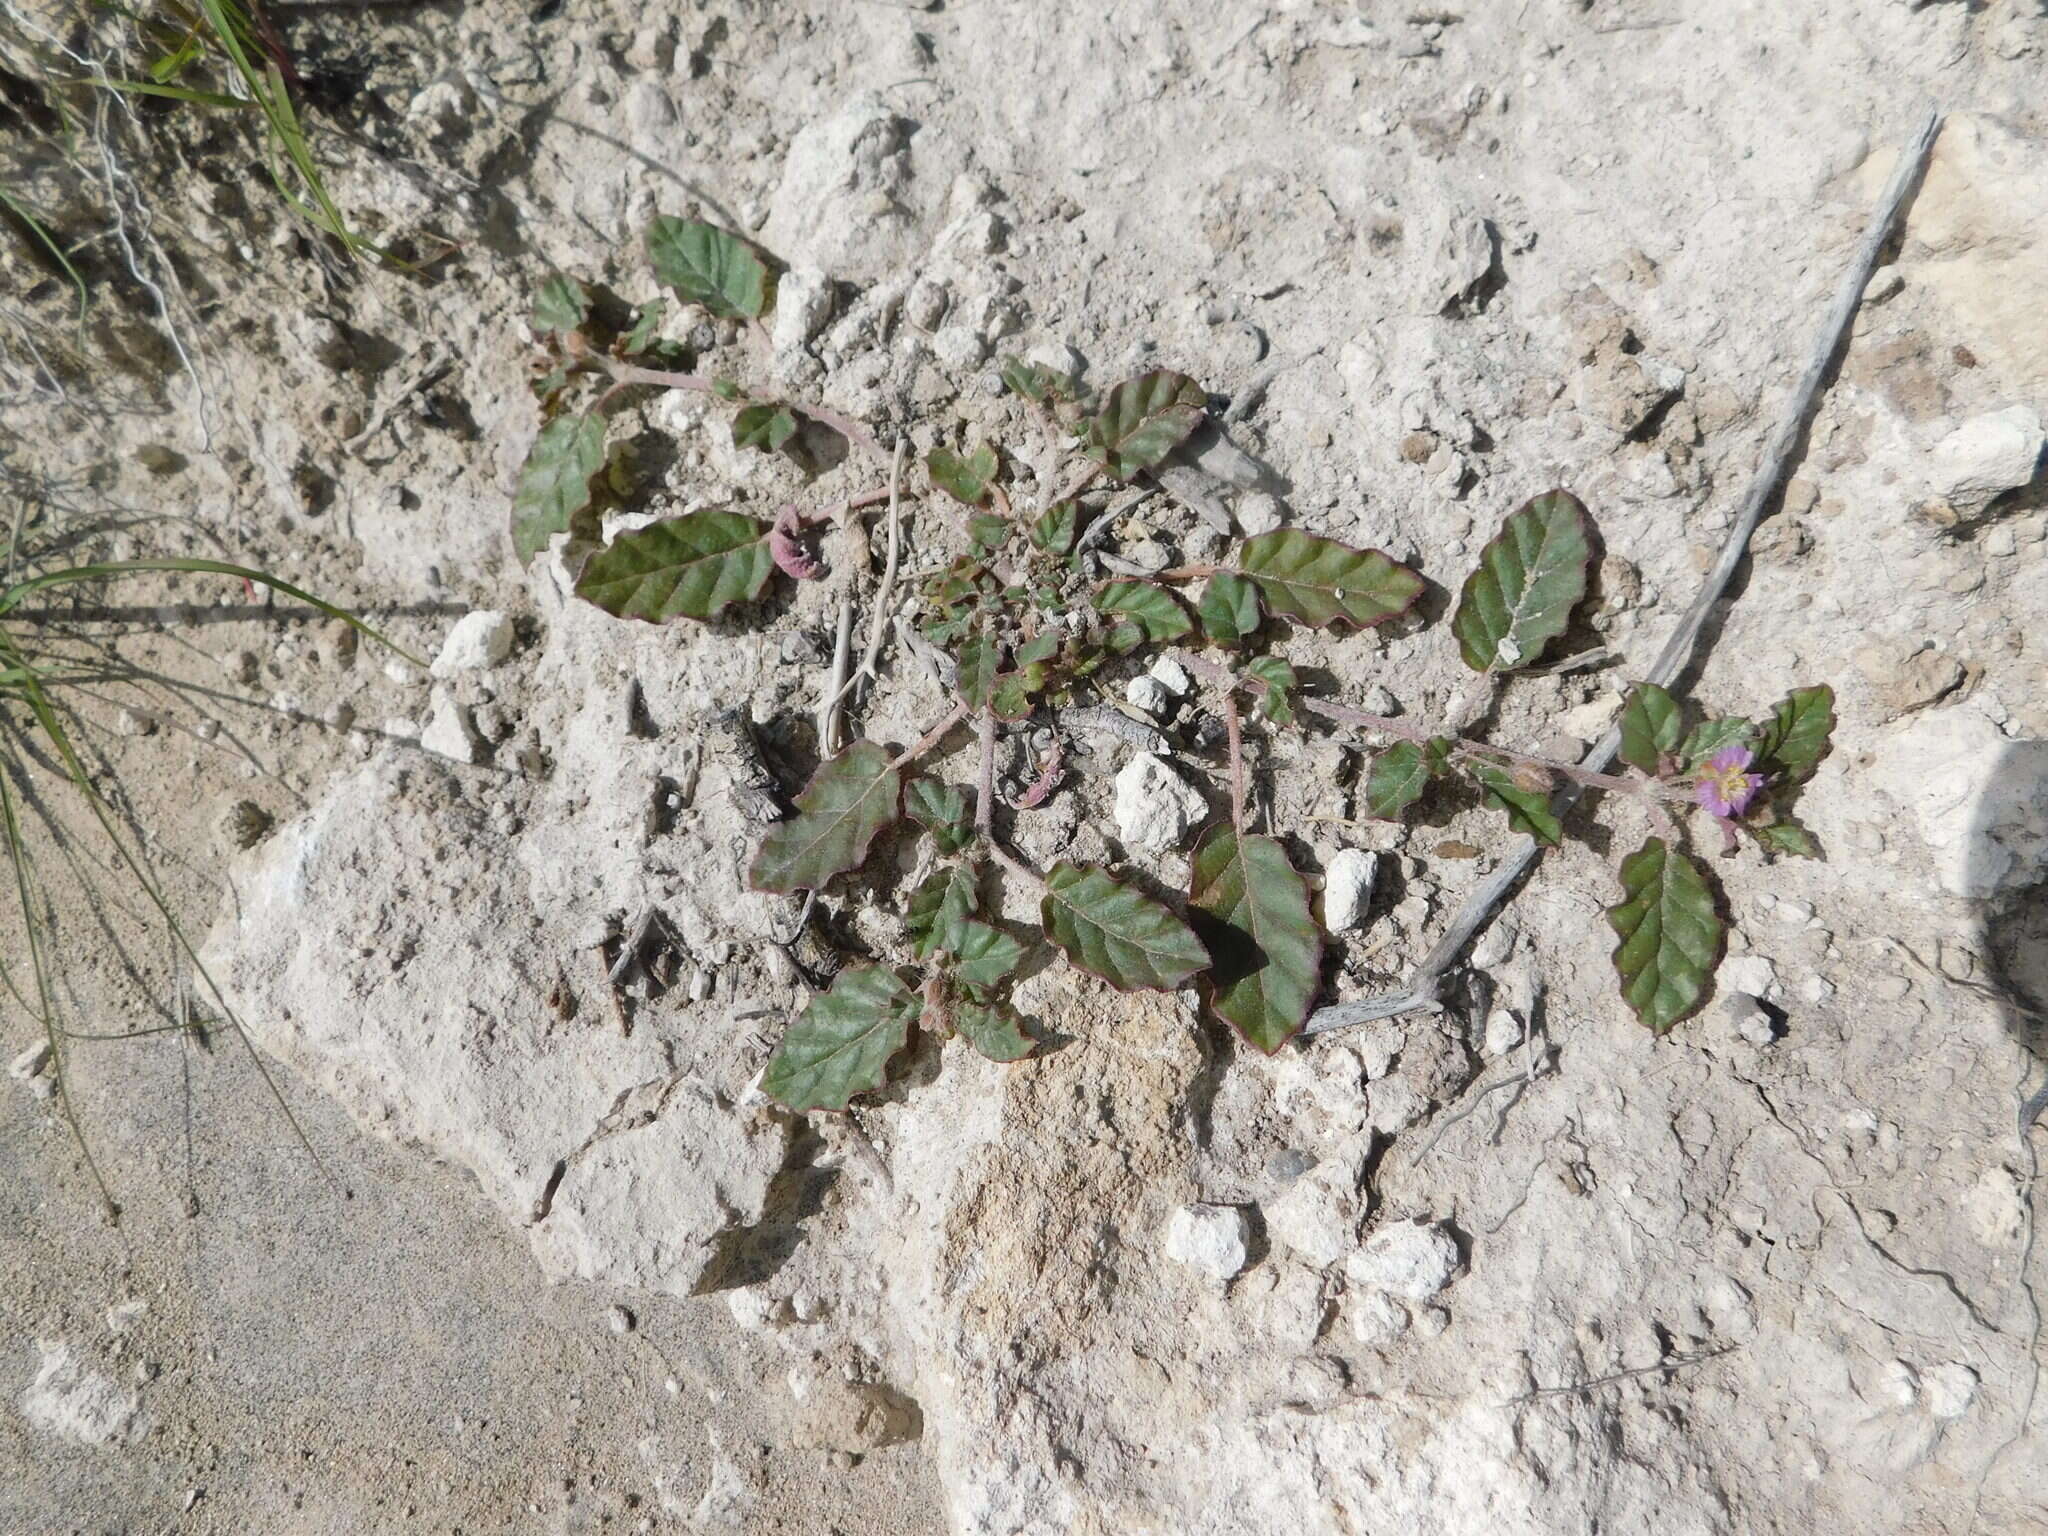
1251,910
1142,420
785,549
692,567
1320,582
646,326
1788,837
849,799
1278,681
1047,781
1530,577
709,266
842,1043
554,485
1116,932
1670,933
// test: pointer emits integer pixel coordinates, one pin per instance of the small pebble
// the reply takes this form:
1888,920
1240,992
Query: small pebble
621,1319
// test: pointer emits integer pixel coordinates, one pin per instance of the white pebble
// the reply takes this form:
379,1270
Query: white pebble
1410,1259
478,642
1210,1238
1347,889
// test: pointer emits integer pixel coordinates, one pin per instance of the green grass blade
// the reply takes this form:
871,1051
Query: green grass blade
37,228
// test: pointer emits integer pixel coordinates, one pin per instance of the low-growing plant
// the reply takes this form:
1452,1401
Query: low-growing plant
1024,623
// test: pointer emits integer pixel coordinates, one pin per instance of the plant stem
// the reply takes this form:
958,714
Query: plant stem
659,378
985,804
928,740
1232,725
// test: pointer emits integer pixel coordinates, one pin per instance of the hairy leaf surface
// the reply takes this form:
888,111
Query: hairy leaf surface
1791,744
1118,933
993,1029
939,911
763,425
986,956
1152,608
1670,934
709,266
1251,910
689,567
966,477
560,304
1142,420
1528,809
1229,608
1710,736
1320,582
1530,577
1651,727
841,1044
849,800
1056,527
1399,775
555,483
944,810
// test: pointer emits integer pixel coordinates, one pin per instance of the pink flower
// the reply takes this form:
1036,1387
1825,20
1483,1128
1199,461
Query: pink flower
1724,787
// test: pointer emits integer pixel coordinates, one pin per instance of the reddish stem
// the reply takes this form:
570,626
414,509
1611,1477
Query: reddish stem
928,740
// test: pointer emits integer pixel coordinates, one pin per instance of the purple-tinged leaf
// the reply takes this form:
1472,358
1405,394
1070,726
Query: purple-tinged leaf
1528,807
986,956
1251,911
1320,582
1530,577
964,477
1671,935
689,567
849,800
1228,608
554,485
944,810
1152,608
1116,932
790,557
1400,774
1142,420
993,1029
939,910
842,1043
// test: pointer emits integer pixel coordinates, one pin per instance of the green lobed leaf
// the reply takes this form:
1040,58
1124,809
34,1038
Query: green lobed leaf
646,326
964,478
1279,679
554,485
1229,608
1791,744
559,304
1651,727
1670,932
841,1044
849,799
1710,736
1528,809
939,911
1015,694
709,266
988,532
1786,837
986,956
1118,933
1251,910
1400,774
1056,527
1035,381
1320,582
1530,577
1142,420
692,567
993,1029
1153,609
763,425
977,664
946,811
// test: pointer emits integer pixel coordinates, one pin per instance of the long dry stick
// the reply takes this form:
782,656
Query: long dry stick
1420,994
